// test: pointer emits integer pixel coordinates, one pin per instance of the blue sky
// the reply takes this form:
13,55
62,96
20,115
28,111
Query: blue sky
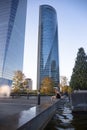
72,34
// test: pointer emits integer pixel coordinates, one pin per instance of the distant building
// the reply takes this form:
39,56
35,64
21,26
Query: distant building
12,36
29,85
48,58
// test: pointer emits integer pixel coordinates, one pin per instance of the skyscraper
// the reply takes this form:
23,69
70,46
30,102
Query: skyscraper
48,59
12,33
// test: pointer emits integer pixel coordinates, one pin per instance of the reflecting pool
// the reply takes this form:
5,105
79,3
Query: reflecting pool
64,119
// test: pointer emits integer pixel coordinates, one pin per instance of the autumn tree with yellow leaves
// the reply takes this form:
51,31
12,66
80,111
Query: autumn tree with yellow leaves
47,85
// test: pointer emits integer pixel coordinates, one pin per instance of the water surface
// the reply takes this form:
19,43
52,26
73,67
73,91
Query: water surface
64,119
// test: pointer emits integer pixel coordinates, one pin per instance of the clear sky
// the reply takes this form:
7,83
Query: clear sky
72,34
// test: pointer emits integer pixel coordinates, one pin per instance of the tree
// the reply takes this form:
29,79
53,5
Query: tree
63,82
18,81
47,85
79,74
64,87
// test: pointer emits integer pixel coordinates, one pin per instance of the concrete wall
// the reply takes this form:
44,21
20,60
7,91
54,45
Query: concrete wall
79,100
41,119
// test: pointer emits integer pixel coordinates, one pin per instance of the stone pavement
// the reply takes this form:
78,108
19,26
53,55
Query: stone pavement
9,106
10,109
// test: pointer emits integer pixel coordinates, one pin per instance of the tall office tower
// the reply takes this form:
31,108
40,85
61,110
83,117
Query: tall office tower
48,61
12,33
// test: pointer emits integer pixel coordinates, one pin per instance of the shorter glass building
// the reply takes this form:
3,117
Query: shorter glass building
12,36
48,58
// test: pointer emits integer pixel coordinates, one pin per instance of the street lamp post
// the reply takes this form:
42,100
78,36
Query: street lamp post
38,97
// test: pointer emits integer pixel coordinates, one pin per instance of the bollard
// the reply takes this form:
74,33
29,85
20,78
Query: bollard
38,97
27,95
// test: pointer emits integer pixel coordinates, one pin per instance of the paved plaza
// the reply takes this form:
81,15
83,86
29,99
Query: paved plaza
10,106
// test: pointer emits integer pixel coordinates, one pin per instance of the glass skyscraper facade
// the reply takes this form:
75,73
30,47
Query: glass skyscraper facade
12,36
48,58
